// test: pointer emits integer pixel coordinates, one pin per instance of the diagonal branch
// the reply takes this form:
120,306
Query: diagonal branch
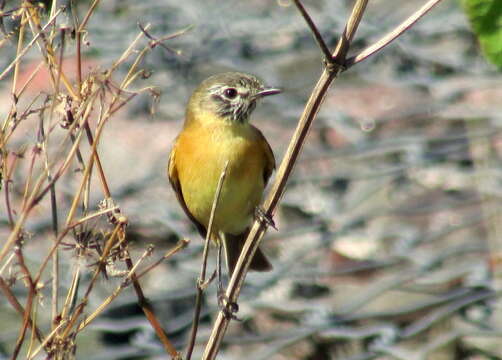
392,35
259,226
336,65
317,35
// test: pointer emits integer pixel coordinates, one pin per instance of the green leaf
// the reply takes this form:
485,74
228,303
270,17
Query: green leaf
485,17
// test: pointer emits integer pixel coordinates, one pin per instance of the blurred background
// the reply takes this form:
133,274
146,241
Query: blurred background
388,242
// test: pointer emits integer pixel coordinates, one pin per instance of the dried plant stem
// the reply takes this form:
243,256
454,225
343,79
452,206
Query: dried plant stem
126,282
201,283
97,92
117,291
20,222
312,107
87,16
20,42
93,143
392,35
178,247
27,319
7,182
259,227
55,255
150,315
317,35
19,308
46,340
101,264
72,293
28,47
35,196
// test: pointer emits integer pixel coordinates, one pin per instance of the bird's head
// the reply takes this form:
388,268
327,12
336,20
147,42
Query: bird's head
231,96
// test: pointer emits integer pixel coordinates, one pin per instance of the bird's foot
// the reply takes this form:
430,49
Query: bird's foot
228,308
260,214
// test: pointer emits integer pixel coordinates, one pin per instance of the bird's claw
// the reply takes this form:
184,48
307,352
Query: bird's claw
262,216
228,308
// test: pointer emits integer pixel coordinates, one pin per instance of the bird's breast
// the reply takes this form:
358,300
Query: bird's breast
201,157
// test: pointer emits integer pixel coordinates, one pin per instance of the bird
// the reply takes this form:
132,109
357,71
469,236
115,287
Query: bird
217,133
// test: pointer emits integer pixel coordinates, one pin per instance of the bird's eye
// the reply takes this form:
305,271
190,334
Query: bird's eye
230,93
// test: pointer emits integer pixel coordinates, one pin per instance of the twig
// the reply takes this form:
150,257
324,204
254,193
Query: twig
35,38
150,315
391,36
19,308
20,41
201,283
54,211
88,15
101,172
29,302
35,196
126,281
7,182
317,35
47,340
183,243
154,41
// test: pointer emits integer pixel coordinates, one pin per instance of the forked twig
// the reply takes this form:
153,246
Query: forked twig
154,41
309,114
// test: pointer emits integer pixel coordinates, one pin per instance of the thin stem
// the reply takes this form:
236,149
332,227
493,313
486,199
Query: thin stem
148,311
392,35
317,35
11,298
30,44
201,283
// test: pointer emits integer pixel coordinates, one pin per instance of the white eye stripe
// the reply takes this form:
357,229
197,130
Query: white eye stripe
220,90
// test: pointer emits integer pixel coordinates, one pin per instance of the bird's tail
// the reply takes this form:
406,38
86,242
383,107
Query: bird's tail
233,245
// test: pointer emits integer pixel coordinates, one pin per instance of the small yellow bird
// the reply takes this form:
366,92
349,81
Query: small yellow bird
217,130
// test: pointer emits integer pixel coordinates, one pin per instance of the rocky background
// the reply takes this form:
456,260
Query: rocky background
389,233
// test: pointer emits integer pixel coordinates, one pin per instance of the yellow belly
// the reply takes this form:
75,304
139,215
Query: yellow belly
206,151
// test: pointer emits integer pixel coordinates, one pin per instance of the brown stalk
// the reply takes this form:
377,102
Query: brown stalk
48,52
179,246
29,302
317,35
11,298
309,114
36,195
142,301
27,47
126,282
20,42
7,182
100,266
150,315
392,35
55,255
202,283
46,341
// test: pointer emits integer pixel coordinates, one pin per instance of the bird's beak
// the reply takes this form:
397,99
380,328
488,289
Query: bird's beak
267,92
